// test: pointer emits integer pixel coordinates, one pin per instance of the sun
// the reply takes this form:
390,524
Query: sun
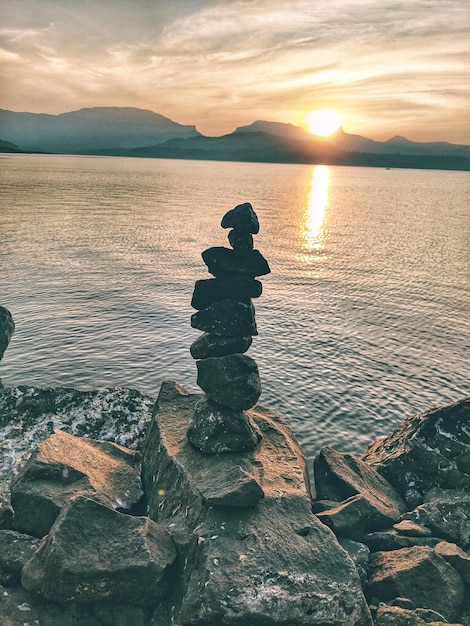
323,122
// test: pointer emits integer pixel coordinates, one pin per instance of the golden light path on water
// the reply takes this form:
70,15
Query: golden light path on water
315,210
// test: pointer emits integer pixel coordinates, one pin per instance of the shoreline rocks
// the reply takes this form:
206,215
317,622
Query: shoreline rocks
231,538
7,328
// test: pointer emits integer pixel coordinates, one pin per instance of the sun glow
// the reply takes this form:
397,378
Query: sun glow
323,122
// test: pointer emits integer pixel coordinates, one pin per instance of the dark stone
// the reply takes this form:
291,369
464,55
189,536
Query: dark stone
240,240
426,450
228,318
64,466
234,287
94,553
7,328
359,554
397,616
15,550
242,218
215,345
216,429
447,514
221,261
231,380
340,476
419,574
269,564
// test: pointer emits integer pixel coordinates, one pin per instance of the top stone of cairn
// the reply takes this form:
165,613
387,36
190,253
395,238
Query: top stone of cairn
241,218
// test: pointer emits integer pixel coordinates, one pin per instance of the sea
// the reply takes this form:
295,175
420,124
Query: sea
363,321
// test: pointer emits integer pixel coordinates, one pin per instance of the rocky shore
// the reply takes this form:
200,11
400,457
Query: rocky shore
199,510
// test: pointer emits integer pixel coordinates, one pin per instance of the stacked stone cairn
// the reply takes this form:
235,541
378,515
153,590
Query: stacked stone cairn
225,313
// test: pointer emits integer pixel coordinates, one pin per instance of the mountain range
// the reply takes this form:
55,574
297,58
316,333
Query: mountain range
121,131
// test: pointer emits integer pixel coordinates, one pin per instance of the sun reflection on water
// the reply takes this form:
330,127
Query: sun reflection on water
313,219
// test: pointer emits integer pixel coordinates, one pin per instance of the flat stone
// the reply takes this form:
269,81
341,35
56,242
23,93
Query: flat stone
398,616
410,529
64,466
385,540
426,450
216,429
227,318
240,240
215,345
266,564
7,328
234,287
341,476
419,574
242,218
231,380
221,261
236,488
94,553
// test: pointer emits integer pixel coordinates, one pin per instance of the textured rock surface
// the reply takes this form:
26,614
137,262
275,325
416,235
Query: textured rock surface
216,429
419,574
15,550
7,328
208,345
65,465
29,415
95,553
242,218
228,318
272,563
430,449
231,380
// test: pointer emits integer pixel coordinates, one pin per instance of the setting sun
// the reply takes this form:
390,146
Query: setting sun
323,122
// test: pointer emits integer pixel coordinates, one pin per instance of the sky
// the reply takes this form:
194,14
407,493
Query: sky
398,67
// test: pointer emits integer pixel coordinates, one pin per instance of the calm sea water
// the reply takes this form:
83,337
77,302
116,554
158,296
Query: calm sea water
363,321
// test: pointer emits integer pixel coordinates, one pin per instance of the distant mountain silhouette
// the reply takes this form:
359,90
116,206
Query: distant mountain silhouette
89,129
7,146
140,133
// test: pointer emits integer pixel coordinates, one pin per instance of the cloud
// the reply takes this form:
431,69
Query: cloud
223,63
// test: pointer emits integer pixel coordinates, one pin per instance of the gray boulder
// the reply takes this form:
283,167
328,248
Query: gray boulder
273,563
7,328
214,345
217,429
421,575
229,318
221,261
94,553
231,380
446,513
242,218
368,501
430,449
15,550
64,466
235,287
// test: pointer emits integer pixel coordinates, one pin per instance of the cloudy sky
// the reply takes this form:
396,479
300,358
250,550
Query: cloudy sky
388,66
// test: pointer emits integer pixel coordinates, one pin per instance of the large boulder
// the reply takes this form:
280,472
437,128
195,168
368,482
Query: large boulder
419,574
64,466
94,553
367,501
7,328
430,449
271,563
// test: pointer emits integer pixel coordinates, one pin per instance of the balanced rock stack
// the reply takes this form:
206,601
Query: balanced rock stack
225,313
